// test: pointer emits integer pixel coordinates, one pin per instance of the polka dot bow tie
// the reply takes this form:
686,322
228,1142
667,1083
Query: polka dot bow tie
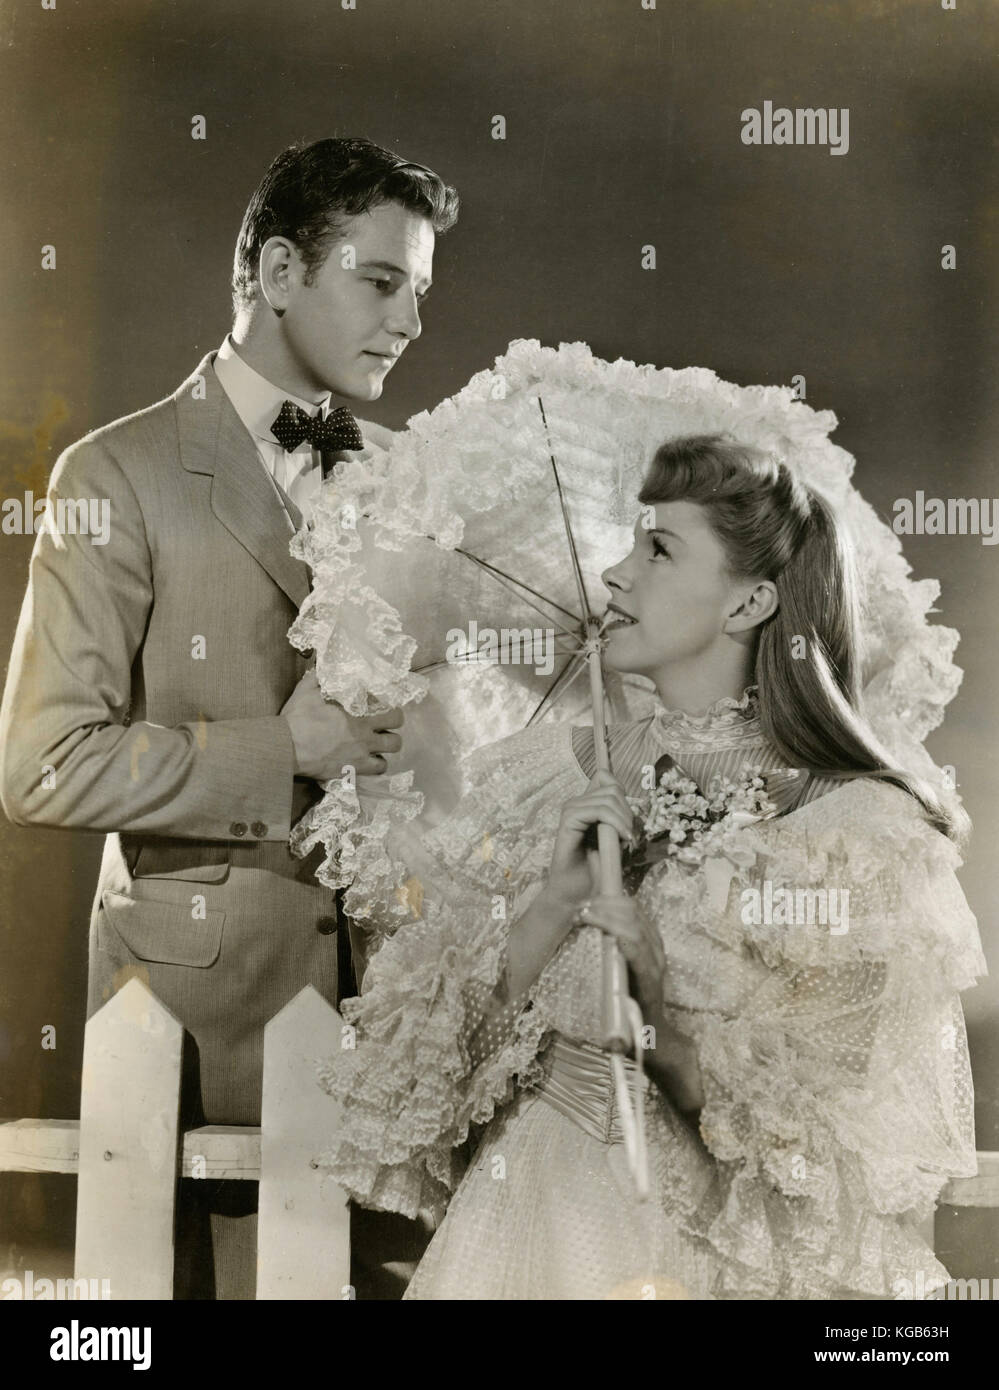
338,431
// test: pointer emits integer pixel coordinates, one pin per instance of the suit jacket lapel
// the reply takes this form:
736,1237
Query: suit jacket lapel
214,440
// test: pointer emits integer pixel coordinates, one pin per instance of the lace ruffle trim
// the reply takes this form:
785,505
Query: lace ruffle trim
408,1091
900,874
725,723
793,1213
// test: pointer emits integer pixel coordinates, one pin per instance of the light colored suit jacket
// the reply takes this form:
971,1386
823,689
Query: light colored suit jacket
142,700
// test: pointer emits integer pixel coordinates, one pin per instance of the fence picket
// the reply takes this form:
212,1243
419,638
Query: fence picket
128,1146
303,1233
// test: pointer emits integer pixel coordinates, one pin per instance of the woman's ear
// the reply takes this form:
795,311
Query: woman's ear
752,606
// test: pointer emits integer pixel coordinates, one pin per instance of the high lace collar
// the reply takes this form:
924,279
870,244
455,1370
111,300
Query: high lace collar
725,724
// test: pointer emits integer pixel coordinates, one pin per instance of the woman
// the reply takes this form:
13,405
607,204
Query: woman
808,1090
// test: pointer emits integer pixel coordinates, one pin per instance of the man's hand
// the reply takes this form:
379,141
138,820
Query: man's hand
327,739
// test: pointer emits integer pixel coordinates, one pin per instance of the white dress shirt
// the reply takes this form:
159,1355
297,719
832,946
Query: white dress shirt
257,402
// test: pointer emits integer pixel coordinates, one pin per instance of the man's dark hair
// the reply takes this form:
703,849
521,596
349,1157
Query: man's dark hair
311,190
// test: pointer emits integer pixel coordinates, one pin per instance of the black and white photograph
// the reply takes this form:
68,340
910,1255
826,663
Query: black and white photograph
498,743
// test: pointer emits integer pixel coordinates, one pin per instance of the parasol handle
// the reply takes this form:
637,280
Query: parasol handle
616,1027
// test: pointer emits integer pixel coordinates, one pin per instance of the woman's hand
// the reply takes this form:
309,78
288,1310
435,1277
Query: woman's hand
570,879
640,943
672,1058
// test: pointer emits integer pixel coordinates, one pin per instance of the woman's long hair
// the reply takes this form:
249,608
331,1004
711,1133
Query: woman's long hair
807,665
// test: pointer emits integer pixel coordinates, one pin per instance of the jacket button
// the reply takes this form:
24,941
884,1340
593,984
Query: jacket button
259,829
238,827
326,926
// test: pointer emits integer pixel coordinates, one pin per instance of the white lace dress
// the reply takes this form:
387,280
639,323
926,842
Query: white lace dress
838,1097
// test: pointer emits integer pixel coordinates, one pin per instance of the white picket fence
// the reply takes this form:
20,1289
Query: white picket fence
127,1152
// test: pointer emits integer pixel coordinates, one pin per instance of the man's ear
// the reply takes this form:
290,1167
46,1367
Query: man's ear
279,268
752,606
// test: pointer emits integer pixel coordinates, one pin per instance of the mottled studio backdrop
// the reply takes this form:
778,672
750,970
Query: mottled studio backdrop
622,128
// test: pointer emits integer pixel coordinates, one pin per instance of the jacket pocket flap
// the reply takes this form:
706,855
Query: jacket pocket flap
166,932
203,862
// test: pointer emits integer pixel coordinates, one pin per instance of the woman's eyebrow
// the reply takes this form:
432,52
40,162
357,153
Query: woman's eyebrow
661,531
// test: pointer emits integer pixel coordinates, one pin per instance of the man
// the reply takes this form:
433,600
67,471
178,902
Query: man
152,692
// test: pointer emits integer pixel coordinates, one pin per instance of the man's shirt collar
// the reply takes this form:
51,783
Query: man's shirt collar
255,399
